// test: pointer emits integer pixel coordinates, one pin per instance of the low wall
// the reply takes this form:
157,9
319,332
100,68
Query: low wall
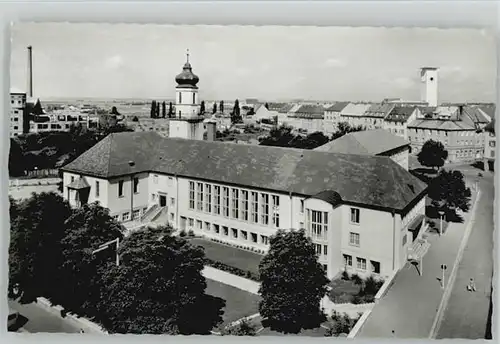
359,324
385,287
34,182
95,328
350,309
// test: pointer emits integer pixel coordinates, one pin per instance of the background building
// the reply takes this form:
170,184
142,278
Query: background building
18,113
489,146
377,142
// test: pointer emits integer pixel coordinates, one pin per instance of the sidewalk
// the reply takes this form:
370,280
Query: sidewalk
410,306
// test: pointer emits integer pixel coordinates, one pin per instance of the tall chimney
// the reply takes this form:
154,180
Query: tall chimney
29,88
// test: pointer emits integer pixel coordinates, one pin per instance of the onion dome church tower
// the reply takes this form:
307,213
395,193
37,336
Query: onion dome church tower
187,122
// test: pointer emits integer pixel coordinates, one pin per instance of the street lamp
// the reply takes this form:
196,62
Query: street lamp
131,164
441,215
106,245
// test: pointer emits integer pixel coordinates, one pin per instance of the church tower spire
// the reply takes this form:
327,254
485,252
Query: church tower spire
188,122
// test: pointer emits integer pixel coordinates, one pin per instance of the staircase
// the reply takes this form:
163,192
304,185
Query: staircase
151,213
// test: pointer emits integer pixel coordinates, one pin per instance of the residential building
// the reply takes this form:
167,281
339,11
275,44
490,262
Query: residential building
307,117
242,194
61,120
18,113
398,119
459,138
375,115
489,146
353,114
332,117
378,142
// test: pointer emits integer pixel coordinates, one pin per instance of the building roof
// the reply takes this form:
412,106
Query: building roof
337,107
400,113
379,110
385,184
79,184
490,127
436,124
368,142
476,115
353,109
310,111
286,108
329,196
489,110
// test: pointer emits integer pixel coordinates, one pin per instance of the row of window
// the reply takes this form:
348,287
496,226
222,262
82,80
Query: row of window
125,216
225,231
361,263
251,206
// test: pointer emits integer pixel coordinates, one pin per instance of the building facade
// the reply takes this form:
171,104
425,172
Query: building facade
429,85
18,120
353,114
332,117
398,119
374,117
489,146
246,204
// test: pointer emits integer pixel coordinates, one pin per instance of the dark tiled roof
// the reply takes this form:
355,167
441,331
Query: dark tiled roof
369,142
400,113
475,115
436,124
337,107
373,181
379,110
286,108
310,111
490,127
489,110
329,196
79,184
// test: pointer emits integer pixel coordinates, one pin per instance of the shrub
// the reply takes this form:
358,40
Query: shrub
190,233
182,233
356,279
345,275
233,270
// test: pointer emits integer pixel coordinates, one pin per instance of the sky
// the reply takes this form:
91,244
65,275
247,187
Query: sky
238,62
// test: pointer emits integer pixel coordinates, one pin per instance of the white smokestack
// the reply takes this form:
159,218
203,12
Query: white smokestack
29,88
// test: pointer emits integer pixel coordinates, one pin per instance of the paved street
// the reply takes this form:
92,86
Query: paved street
43,319
467,313
411,304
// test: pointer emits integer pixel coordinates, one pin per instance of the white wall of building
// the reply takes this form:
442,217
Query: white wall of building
429,86
17,105
186,212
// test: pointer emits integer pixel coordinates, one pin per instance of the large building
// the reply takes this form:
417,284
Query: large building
379,142
489,146
429,88
457,131
398,119
18,116
332,117
363,213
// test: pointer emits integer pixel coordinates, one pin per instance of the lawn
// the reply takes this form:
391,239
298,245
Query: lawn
239,303
343,290
315,332
235,257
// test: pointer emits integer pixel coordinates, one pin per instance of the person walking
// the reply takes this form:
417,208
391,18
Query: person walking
472,285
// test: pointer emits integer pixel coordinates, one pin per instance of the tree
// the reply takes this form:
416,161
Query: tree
279,137
345,128
163,109
37,228
153,109
80,273
158,287
293,283
157,115
221,106
312,141
202,107
16,159
244,328
170,110
214,109
449,192
433,154
235,114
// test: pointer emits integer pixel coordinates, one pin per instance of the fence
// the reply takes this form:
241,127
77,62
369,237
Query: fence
45,173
